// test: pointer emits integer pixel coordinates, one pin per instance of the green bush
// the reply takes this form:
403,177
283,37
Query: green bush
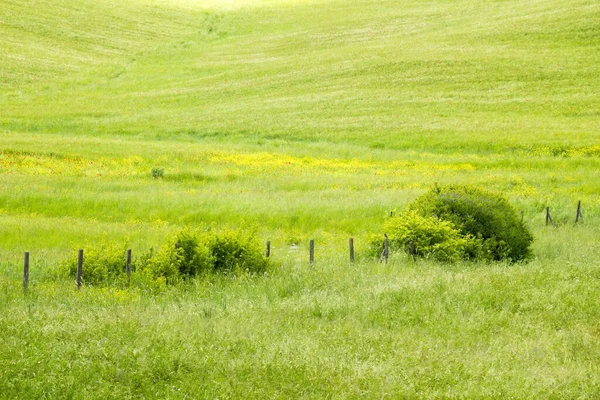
158,173
426,237
103,264
182,255
186,254
234,250
488,217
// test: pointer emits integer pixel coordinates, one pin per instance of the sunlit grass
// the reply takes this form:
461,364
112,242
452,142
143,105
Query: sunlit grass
299,120
332,330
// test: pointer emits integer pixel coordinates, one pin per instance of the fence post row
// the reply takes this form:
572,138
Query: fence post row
26,271
384,254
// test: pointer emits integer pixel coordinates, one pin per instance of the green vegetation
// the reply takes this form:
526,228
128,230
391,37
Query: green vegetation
123,121
422,329
237,251
427,237
486,221
183,255
104,264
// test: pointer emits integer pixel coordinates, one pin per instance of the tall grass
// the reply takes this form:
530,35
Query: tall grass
332,330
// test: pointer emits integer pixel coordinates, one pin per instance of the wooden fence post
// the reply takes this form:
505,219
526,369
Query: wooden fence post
79,267
386,250
128,265
579,215
268,253
312,251
351,245
548,217
26,271
412,250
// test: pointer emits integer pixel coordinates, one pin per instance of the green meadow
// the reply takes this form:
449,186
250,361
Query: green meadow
298,120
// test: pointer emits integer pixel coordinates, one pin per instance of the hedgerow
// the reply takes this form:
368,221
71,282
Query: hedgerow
184,254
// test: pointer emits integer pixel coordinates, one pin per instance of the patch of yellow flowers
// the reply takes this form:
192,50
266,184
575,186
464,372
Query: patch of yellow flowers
277,162
25,163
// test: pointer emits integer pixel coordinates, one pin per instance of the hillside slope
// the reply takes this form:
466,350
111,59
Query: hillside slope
451,76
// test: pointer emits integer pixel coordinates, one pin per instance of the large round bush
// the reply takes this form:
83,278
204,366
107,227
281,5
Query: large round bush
486,216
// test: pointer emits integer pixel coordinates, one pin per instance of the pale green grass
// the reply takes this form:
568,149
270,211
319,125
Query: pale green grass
299,119
459,76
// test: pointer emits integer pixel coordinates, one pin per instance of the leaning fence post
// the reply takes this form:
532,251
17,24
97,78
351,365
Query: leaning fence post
26,271
128,265
579,215
312,251
79,267
268,252
351,245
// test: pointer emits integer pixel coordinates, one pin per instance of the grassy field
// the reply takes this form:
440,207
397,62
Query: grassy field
298,119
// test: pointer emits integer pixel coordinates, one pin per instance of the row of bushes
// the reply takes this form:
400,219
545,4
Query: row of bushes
184,254
446,224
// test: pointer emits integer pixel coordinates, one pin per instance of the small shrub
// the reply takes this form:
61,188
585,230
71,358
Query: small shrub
426,237
186,254
103,264
196,257
158,172
486,216
182,256
234,250
164,264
